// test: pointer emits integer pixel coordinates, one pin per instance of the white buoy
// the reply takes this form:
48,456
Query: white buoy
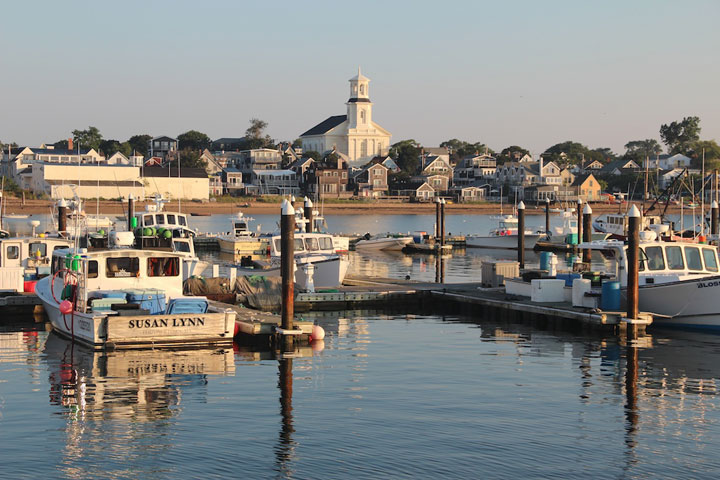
318,333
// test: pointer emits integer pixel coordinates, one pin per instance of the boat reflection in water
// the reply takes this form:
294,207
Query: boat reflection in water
140,384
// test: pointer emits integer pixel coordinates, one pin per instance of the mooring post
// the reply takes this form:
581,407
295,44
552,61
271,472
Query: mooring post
521,234
633,263
308,213
285,382
547,217
62,218
131,212
437,218
579,220
714,212
587,232
442,223
287,268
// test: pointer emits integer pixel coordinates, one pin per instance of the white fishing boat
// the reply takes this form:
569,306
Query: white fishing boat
319,225
155,217
384,243
24,260
241,240
679,281
327,270
125,297
615,224
505,236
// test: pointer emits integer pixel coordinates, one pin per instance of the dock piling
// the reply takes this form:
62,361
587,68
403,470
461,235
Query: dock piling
442,222
437,218
62,218
308,213
287,269
579,220
587,231
633,263
131,212
547,216
521,234
714,212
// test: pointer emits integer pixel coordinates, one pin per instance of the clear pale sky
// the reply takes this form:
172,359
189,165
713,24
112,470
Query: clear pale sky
531,73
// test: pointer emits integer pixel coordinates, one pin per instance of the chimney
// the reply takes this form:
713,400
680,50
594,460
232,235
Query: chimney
70,144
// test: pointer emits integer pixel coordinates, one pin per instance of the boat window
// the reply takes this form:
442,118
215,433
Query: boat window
299,247
674,258
181,247
147,220
311,244
59,247
122,267
182,220
163,267
277,245
159,219
171,219
326,243
692,254
655,258
37,249
710,260
12,252
92,269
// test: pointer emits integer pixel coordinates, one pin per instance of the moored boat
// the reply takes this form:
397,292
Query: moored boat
505,236
385,243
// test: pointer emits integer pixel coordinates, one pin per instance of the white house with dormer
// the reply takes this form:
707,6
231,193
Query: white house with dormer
355,134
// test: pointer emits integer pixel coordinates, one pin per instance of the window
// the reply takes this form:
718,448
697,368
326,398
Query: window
122,267
299,246
12,252
147,220
710,261
362,116
37,249
326,243
655,258
159,219
674,258
171,218
344,174
163,267
362,89
692,254
92,269
311,244
182,220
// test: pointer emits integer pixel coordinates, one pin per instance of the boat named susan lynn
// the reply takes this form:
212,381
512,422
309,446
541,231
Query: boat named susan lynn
124,296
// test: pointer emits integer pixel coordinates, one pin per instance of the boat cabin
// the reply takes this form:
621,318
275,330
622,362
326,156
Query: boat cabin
26,258
307,243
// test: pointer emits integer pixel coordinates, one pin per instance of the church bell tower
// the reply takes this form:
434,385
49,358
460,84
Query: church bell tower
359,106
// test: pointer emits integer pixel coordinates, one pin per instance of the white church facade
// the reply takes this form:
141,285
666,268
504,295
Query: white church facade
354,135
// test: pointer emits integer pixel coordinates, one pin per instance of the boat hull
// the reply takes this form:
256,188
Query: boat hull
328,272
507,242
244,246
686,303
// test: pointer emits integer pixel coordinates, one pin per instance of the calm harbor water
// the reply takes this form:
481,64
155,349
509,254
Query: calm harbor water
386,395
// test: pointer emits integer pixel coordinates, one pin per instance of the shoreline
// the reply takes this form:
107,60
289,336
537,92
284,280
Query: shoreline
15,206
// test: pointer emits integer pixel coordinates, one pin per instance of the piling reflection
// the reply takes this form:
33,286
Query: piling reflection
285,449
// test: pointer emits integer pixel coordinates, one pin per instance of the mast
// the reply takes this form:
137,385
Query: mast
702,197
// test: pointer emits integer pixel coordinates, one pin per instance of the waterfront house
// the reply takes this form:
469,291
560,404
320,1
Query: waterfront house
472,168
566,177
371,180
273,182
162,147
553,192
668,162
587,188
228,143
188,183
619,167
470,194
232,179
329,178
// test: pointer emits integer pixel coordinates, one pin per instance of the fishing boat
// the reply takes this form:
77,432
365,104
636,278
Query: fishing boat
24,260
505,236
319,224
679,281
314,250
241,240
384,243
129,294
615,224
157,218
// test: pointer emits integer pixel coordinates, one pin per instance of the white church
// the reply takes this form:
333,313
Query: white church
354,135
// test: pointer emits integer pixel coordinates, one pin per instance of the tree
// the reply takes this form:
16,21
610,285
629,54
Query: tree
406,154
639,150
679,136
190,158
194,140
110,147
511,153
312,154
460,148
297,143
254,135
607,154
572,152
712,154
61,144
89,138
139,143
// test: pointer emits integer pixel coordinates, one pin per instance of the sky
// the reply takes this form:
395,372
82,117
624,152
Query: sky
527,73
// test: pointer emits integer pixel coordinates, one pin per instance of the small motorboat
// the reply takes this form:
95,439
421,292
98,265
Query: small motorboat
385,243
505,236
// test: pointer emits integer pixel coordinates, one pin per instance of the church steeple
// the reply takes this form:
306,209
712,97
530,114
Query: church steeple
359,106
